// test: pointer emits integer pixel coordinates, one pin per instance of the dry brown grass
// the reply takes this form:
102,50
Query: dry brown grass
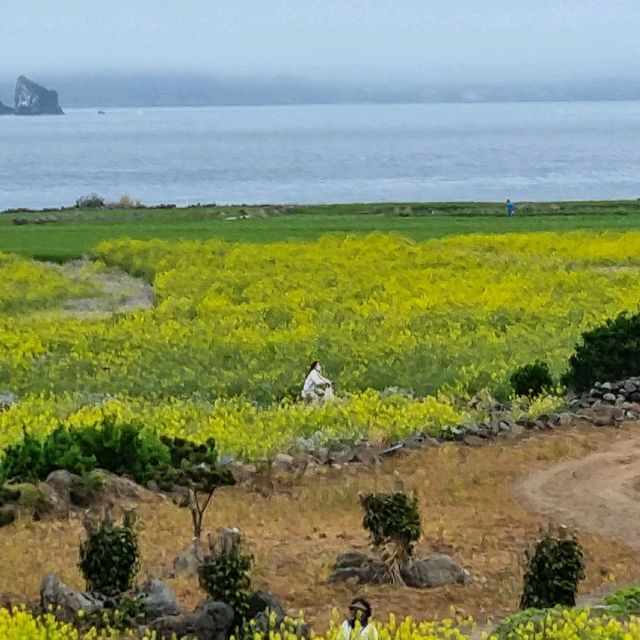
468,509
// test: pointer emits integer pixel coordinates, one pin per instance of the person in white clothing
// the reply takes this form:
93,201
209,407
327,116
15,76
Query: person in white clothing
358,625
316,387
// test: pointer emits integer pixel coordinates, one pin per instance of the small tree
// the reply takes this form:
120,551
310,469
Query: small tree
393,521
197,468
553,570
110,556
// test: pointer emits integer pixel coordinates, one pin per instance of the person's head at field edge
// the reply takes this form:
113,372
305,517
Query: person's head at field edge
359,611
315,366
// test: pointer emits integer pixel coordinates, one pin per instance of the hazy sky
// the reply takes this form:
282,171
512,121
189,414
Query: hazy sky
396,38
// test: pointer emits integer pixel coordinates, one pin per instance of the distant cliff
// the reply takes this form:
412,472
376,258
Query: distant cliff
33,99
4,110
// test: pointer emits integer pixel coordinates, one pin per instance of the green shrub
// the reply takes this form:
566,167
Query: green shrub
120,612
110,558
87,490
23,462
267,625
90,201
531,379
65,449
124,449
607,353
392,518
543,623
553,571
510,623
625,602
226,577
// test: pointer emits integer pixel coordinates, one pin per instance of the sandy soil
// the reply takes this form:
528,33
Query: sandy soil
119,292
599,493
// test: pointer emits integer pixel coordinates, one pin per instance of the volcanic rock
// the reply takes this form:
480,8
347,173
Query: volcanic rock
32,99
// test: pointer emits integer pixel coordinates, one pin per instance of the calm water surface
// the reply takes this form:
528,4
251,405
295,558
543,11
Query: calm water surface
305,154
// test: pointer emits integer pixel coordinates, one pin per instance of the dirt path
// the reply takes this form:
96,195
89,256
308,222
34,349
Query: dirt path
599,493
119,291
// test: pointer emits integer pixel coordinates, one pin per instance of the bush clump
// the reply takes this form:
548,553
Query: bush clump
122,448
226,577
90,201
553,571
625,602
607,353
110,557
531,379
392,518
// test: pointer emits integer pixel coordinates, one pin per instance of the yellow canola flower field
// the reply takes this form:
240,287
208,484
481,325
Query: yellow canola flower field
563,625
225,350
238,426
558,625
20,625
26,286
572,624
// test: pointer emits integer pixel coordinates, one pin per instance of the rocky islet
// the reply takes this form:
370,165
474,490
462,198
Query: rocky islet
32,99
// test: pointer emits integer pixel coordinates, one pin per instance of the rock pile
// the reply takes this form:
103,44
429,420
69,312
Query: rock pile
211,620
436,570
64,492
624,395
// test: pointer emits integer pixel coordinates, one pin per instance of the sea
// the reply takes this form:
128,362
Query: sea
324,154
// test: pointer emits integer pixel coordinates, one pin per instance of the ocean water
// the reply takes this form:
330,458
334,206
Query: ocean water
312,154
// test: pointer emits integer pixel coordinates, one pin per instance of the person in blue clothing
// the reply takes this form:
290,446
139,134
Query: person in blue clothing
511,208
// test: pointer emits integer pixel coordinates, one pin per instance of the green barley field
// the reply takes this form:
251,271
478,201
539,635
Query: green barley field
72,233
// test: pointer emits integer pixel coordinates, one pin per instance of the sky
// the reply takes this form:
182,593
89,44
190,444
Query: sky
387,39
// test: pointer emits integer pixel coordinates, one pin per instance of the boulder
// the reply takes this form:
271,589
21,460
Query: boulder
37,501
10,600
359,454
32,99
415,440
61,480
473,441
210,621
436,570
186,563
159,599
565,419
75,491
354,564
97,487
283,461
262,604
56,594
119,487
517,430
